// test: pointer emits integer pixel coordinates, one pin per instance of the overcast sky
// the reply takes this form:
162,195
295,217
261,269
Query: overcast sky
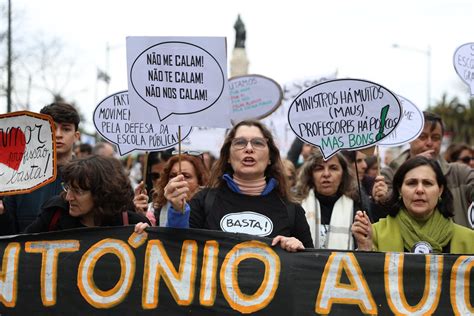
286,40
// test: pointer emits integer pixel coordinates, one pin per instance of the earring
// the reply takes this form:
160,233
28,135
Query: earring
440,199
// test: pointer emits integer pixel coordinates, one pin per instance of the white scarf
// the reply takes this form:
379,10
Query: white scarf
339,235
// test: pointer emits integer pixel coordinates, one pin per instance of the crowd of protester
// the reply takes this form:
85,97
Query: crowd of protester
418,201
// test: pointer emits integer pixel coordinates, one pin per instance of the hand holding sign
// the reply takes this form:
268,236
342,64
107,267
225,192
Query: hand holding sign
112,121
464,64
27,157
344,114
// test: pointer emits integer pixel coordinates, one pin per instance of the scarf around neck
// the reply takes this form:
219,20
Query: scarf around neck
339,236
437,230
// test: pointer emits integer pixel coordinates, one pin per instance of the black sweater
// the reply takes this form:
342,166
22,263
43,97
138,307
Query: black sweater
257,215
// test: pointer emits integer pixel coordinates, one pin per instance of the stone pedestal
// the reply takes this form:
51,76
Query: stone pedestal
239,64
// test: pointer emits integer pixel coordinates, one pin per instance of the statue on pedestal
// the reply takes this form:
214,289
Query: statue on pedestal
239,63
239,33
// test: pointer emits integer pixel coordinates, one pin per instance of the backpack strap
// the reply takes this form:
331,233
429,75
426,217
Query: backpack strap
125,218
291,209
54,220
209,201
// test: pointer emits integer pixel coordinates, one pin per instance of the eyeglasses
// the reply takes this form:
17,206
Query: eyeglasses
67,188
466,159
188,152
194,153
155,176
257,143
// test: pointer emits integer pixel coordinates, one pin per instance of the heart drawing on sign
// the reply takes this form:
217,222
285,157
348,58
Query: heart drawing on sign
12,147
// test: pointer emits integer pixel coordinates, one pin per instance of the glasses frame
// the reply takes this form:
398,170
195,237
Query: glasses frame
249,141
466,159
67,188
187,152
194,153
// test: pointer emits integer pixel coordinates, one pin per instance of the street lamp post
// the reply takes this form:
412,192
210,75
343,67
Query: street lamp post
427,53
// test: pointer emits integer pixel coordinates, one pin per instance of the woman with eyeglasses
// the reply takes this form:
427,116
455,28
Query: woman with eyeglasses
97,192
194,173
248,193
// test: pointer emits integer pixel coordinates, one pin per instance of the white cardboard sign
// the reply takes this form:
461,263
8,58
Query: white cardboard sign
27,152
344,114
410,125
464,64
112,121
183,78
253,97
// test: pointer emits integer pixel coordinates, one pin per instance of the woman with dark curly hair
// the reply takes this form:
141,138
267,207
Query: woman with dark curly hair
420,211
248,193
97,192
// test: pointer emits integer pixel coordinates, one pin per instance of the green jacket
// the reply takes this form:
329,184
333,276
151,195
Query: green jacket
386,236
460,180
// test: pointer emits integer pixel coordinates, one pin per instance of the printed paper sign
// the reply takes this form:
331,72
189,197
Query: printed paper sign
247,222
112,121
344,114
464,64
410,125
183,78
27,152
253,97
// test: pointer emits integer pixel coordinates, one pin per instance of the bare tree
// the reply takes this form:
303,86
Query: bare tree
40,64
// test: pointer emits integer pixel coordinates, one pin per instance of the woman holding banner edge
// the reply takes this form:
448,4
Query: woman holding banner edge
420,211
248,193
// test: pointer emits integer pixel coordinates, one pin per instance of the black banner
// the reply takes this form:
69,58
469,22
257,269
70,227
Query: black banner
108,271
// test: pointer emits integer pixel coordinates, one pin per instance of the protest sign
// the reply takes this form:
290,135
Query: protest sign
410,125
112,121
277,122
253,97
183,78
27,152
114,271
464,64
344,114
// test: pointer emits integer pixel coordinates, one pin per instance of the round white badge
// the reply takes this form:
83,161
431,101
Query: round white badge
422,247
470,215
